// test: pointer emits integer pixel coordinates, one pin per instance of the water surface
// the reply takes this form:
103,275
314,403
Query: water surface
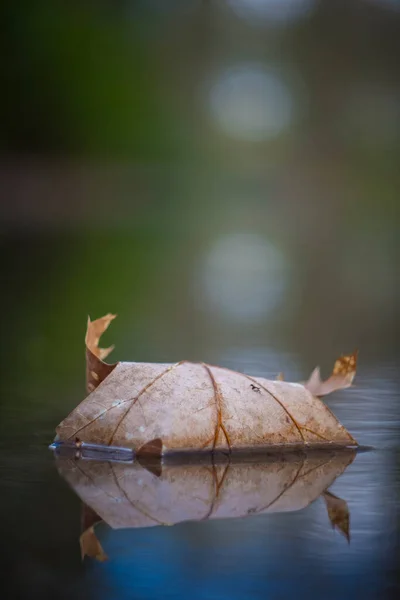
280,555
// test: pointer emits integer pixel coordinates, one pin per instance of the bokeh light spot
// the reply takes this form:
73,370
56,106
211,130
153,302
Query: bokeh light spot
251,103
244,277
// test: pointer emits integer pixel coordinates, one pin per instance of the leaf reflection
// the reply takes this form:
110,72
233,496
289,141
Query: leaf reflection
201,488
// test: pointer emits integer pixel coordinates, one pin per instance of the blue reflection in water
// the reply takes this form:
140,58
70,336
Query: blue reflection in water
286,555
267,556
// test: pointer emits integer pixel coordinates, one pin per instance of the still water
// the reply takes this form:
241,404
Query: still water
288,551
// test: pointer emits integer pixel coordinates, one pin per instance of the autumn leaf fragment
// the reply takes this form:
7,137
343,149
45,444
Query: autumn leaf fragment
338,513
90,545
94,331
343,373
96,369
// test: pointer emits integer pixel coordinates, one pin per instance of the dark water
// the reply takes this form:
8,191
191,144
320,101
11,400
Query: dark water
281,555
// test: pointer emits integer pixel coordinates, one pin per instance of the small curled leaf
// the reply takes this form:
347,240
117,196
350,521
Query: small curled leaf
343,373
96,369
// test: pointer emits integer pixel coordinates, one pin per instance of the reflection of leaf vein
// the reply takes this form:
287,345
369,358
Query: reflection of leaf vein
285,489
217,489
297,477
75,464
317,467
143,512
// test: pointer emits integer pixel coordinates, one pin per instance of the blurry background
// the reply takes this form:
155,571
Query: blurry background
222,174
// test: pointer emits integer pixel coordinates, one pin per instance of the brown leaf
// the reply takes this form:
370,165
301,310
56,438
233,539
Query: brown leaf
96,369
90,545
194,406
149,456
94,331
342,376
150,449
128,495
338,513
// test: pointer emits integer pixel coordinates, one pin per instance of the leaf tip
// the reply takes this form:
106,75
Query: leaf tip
96,369
90,545
344,371
94,331
346,364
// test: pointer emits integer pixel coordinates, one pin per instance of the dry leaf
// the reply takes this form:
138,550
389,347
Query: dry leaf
338,513
96,369
342,376
126,495
90,545
157,408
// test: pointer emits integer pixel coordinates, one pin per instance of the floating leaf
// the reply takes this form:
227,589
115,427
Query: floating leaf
342,376
338,513
157,408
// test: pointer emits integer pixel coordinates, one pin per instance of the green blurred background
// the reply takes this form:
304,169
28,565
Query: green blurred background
218,173
222,174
